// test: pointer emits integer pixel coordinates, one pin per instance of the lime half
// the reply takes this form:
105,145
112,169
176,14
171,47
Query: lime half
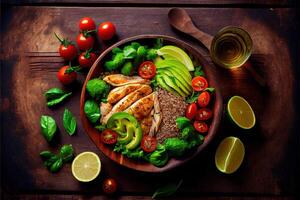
240,112
229,155
86,166
176,53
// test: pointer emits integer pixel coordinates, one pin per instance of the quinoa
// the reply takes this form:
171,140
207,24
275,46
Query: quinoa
171,107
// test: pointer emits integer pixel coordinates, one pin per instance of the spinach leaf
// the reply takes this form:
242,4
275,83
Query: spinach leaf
193,97
92,111
198,71
69,122
210,89
129,52
48,127
167,190
55,95
56,165
182,122
66,153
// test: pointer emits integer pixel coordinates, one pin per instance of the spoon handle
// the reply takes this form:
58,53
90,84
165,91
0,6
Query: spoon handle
202,37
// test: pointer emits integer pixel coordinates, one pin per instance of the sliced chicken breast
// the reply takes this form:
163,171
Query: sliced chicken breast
105,108
119,92
142,107
120,80
128,100
146,123
156,117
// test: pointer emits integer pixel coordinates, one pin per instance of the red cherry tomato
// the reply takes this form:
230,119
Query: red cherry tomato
66,50
87,24
199,83
204,114
191,111
147,70
148,143
85,42
66,78
108,136
87,59
109,186
204,99
106,30
201,127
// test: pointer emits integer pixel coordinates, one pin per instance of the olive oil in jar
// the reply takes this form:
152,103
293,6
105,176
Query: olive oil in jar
231,47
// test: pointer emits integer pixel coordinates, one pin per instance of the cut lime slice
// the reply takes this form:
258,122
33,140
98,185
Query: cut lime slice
86,166
240,112
173,52
229,155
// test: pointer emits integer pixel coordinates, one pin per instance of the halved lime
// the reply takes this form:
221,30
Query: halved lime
173,52
86,166
229,155
240,112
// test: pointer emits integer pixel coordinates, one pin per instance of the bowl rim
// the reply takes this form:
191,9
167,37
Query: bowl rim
217,107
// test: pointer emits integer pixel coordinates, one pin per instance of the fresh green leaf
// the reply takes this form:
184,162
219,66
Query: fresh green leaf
135,45
69,122
92,111
46,154
73,69
117,61
56,166
55,95
167,190
151,54
176,147
66,153
142,51
48,163
100,127
159,157
193,97
182,122
97,88
129,52
210,89
127,68
198,71
48,127
158,43
116,50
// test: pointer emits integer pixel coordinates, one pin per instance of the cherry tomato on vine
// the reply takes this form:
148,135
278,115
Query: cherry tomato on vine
147,70
203,114
199,83
85,41
204,99
148,143
106,30
200,126
109,186
67,49
64,77
191,111
87,24
108,136
87,59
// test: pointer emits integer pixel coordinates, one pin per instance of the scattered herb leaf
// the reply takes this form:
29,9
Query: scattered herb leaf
48,127
55,95
92,111
199,71
69,122
210,89
167,190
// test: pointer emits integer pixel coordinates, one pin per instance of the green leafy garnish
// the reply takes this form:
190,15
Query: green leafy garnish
167,190
55,95
210,89
48,127
182,122
100,127
97,88
92,111
69,122
198,71
193,97
66,153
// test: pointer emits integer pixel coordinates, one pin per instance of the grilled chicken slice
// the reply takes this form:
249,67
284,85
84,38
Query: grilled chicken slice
128,100
120,80
142,107
119,92
146,123
156,117
105,108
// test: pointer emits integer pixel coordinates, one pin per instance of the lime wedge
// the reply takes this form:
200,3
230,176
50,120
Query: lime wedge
240,112
229,155
86,166
173,52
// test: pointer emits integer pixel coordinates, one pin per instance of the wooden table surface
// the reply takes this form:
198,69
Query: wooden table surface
29,62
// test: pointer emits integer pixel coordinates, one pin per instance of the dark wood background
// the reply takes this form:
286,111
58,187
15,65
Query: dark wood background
29,62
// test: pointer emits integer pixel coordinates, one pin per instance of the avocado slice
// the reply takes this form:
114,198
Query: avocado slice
173,64
129,133
171,82
163,84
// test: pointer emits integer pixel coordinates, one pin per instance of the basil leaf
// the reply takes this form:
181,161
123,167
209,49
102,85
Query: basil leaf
46,154
199,71
48,127
56,165
67,153
167,190
48,163
210,89
92,111
69,122
53,93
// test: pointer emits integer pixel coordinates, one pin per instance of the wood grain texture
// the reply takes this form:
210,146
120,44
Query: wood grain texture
269,168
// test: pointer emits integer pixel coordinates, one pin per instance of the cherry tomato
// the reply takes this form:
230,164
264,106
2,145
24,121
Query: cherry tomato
106,30
204,99
191,111
109,186
108,136
66,78
87,24
85,42
199,83
87,59
201,127
147,70
148,143
204,114
66,50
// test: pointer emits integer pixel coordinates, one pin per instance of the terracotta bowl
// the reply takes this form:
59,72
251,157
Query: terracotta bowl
140,165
